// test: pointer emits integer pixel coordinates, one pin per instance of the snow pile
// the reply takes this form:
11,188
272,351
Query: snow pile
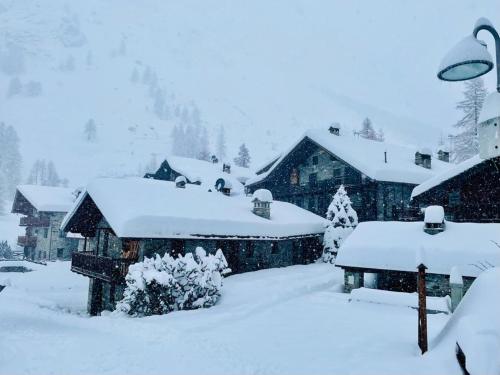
262,195
392,245
148,208
440,304
475,326
434,215
158,285
342,221
48,198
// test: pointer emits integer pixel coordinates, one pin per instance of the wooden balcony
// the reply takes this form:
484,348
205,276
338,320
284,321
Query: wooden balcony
26,241
31,221
99,267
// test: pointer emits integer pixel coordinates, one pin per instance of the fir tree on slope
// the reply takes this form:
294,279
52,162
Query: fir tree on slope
342,221
466,143
90,131
243,158
10,159
367,130
45,174
220,146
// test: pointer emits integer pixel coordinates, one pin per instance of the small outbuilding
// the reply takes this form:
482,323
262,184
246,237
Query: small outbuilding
388,251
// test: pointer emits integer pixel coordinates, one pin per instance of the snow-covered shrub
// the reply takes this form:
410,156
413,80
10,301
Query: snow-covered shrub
342,219
160,285
5,250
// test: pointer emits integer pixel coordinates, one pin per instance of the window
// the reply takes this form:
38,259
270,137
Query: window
313,178
275,247
177,248
45,232
315,160
294,177
337,172
249,249
454,198
60,252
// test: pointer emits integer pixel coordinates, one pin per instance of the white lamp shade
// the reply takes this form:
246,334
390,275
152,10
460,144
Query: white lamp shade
468,59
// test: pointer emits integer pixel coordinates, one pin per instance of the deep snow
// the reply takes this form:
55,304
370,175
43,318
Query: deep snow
291,320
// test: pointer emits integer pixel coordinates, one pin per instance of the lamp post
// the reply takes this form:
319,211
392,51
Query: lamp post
470,59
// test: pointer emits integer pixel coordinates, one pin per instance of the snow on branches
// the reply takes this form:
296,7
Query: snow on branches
160,285
342,219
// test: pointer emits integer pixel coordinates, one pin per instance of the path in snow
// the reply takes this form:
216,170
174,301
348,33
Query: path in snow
290,320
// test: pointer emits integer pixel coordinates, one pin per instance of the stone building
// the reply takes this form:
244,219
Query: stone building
469,191
201,172
125,220
378,176
44,208
388,251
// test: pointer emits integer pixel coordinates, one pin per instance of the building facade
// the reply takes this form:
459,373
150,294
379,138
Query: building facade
44,208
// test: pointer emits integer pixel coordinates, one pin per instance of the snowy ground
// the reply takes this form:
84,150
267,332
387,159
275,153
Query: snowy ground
283,321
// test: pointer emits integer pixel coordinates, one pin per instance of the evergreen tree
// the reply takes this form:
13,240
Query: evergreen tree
45,174
5,250
220,146
381,135
15,87
2,196
10,159
243,159
466,143
204,152
52,177
135,75
90,131
342,221
367,130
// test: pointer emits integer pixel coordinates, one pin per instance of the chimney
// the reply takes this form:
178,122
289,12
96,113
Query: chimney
444,155
423,158
334,128
180,182
226,167
214,159
224,186
385,157
434,220
262,199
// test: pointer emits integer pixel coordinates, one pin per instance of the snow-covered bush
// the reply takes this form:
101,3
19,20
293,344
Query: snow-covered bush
5,250
342,219
160,285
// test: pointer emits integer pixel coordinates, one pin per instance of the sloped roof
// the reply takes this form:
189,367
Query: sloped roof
207,172
48,198
453,171
395,245
368,157
148,208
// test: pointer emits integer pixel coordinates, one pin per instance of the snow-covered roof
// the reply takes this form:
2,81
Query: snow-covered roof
368,157
148,208
208,173
48,198
454,170
394,245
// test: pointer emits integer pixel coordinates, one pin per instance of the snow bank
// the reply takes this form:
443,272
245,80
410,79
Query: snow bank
440,304
475,326
147,208
393,246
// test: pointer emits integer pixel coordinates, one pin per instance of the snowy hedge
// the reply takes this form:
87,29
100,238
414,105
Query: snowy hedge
160,285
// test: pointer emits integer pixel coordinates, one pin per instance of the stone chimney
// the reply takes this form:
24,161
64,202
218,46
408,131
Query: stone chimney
434,220
423,158
214,159
334,128
226,167
262,199
444,155
180,182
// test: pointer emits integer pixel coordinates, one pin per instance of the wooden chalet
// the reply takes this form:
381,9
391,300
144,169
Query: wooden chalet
379,177
469,191
125,220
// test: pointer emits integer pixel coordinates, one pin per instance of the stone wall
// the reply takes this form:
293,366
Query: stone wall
52,243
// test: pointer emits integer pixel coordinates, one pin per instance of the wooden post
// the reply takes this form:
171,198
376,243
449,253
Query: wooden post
422,309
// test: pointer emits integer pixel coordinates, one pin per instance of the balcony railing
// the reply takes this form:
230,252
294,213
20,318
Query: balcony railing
30,221
100,267
26,241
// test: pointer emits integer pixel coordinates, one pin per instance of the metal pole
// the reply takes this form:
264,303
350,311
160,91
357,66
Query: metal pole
496,37
422,309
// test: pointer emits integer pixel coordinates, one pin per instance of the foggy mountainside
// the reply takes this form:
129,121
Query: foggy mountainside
136,69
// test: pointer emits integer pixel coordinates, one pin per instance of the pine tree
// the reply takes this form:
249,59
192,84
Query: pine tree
90,131
2,196
15,87
466,143
10,159
342,221
243,159
45,174
221,143
204,152
381,135
52,178
367,130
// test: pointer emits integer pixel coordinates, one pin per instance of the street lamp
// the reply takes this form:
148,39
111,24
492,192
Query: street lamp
470,59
